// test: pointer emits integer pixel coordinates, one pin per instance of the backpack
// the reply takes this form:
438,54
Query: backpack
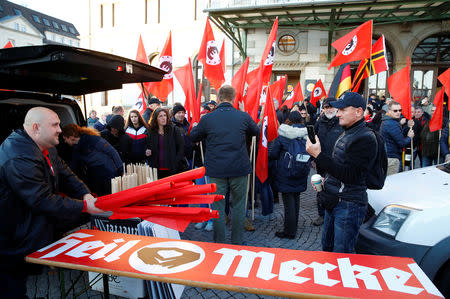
297,160
378,168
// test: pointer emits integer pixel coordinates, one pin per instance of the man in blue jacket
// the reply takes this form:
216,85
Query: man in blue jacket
32,209
226,159
344,193
393,135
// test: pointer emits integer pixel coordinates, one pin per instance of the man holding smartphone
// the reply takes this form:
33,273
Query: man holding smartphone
344,186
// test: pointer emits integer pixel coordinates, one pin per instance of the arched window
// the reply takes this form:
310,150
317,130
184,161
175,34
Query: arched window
430,58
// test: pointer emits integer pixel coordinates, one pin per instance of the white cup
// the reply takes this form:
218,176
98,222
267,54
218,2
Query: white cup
316,180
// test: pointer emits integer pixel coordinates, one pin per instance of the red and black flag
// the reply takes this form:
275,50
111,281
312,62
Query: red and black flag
378,64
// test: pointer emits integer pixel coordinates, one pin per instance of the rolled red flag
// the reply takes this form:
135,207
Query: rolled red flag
189,199
191,190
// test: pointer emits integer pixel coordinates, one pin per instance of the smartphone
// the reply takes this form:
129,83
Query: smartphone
311,133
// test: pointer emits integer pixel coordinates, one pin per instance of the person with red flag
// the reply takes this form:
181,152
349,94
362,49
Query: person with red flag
162,89
226,159
210,58
355,45
429,135
391,130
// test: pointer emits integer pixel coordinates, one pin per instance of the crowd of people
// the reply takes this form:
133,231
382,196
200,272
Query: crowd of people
343,154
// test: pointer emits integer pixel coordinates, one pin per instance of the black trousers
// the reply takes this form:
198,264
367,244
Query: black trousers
291,202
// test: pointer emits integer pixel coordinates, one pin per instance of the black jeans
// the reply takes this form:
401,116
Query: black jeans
291,202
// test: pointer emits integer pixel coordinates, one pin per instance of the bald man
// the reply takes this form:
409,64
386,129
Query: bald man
32,209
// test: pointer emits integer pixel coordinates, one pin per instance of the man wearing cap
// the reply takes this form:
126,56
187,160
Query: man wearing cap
328,129
153,103
344,186
212,105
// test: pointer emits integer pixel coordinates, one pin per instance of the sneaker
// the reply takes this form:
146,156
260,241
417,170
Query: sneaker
318,221
209,226
248,225
200,225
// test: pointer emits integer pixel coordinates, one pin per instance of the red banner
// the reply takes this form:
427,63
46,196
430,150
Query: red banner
270,271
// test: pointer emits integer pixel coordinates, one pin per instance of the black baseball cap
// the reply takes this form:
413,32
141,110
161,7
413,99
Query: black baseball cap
349,99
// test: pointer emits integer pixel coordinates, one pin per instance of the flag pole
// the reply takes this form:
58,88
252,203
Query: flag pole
439,147
253,185
248,177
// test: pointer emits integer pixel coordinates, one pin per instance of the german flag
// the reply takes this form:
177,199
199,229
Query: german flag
341,82
378,64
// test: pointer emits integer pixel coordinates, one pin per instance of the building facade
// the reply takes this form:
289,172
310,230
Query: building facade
26,27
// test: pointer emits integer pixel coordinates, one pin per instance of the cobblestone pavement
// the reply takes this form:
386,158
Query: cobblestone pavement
308,238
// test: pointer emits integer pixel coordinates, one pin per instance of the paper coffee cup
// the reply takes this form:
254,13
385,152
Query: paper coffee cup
316,180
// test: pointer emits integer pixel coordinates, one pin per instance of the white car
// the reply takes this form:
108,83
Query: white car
412,219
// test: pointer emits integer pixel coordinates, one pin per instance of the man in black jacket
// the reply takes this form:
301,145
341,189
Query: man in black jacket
226,159
153,103
328,129
344,187
31,207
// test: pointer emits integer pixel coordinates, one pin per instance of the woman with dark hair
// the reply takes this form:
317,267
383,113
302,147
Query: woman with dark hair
289,186
136,128
93,158
165,144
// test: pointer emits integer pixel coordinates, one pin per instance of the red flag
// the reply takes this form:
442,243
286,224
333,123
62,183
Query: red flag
445,80
269,53
252,100
378,58
296,95
238,83
318,92
378,64
264,71
186,79
162,89
141,56
399,86
278,88
141,104
8,45
251,76
210,58
355,45
269,131
438,115
222,56
196,109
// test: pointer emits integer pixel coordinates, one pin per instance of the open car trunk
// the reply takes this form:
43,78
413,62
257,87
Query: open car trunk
40,75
